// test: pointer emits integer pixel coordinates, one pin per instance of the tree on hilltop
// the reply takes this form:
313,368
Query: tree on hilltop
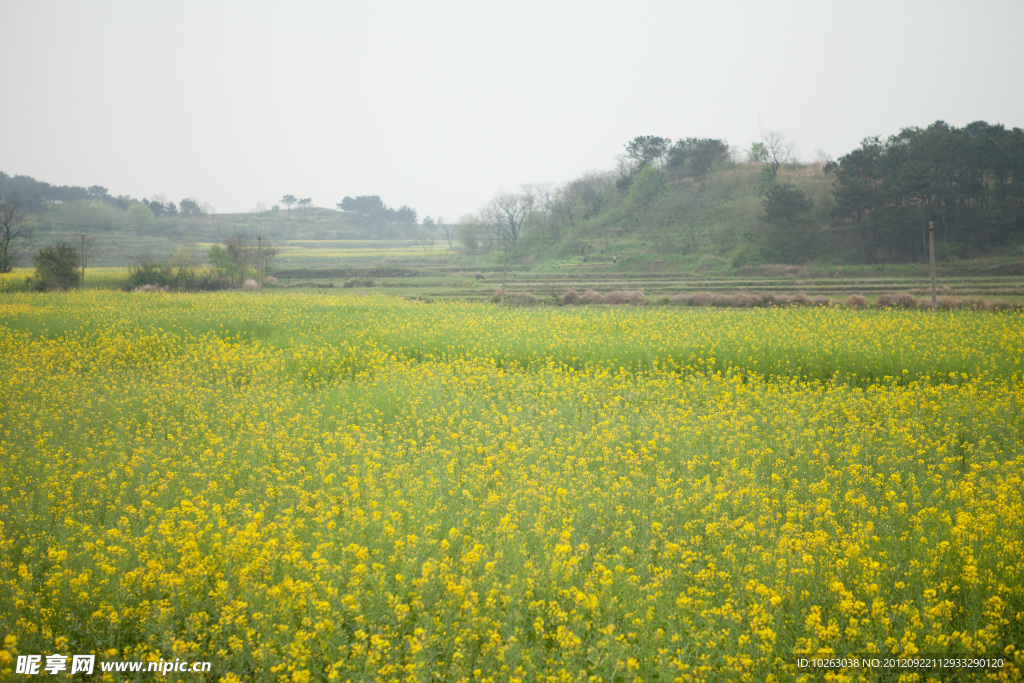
646,150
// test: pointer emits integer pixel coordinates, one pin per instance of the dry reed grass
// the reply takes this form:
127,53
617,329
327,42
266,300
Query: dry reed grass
627,297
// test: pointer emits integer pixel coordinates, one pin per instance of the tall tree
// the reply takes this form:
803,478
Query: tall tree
406,214
13,233
190,207
506,214
787,213
696,158
962,180
366,206
646,150
776,150
448,230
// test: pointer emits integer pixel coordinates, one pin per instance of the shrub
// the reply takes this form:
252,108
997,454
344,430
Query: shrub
520,299
857,302
149,273
904,300
799,299
168,276
699,299
743,300
907,301
56,268
632,298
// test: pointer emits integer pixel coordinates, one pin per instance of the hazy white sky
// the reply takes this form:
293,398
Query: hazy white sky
439,105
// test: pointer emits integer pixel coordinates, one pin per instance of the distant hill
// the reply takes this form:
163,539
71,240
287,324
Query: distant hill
873,205
126,229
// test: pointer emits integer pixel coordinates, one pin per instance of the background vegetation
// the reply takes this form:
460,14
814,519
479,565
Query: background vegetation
692,206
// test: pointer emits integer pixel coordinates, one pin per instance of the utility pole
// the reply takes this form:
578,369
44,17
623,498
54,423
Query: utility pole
504,269
931,249
259,259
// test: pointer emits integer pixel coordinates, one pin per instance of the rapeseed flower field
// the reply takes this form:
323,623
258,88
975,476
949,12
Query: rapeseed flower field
301,487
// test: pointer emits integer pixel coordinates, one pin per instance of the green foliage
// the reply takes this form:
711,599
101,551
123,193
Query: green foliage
468,234
141,217
786,204
646,150
697,158
689,199
370,208
227,263
787,222
181,272
969,182
648,186
56,268
757,153
742,256
190,207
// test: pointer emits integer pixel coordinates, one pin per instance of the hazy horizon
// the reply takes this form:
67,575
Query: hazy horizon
441,106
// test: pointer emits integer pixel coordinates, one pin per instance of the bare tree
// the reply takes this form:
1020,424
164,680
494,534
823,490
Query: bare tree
428,234
507,212
777,150
13,234
266,258
448,230
504,218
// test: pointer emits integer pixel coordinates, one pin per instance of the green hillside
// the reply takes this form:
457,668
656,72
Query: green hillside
673,202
